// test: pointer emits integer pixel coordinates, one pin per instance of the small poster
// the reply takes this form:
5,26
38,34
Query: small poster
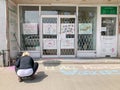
49,44
103,28
29,28
85,28
49,28
68,28
108,45
67,43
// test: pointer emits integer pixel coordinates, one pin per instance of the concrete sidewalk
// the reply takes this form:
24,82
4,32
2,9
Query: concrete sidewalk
66,75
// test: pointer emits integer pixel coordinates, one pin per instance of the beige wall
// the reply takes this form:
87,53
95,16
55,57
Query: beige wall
13,29
67,1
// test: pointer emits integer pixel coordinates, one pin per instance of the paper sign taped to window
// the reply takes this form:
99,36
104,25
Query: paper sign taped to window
29,28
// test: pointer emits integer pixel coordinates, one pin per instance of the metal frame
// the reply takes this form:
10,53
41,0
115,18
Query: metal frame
88,53
58,34
68,16
46,16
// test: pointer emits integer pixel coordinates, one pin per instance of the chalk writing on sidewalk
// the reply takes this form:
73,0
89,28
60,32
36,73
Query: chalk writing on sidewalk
89,72
86,69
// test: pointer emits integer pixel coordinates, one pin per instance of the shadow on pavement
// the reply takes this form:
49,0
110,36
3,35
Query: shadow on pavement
51,63
38,77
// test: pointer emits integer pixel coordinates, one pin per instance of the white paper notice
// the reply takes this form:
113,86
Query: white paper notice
30,28
49,28
63,36
103,28
85,28
108,45
49,44
67,43
68,28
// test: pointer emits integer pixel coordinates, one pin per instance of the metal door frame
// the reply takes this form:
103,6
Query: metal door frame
41,31
58,35
68,16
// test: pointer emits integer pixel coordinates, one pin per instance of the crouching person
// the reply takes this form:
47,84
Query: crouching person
25,66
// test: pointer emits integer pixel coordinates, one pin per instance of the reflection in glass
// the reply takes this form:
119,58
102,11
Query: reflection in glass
58,10
108,26
49,27
87,28
29,30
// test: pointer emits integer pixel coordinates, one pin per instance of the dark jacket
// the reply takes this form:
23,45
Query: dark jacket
24,62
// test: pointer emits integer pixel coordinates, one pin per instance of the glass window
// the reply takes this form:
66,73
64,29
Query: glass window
58,10
87,28
108,26
29,30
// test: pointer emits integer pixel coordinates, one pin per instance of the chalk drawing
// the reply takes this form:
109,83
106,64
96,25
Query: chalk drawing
86,70
89,72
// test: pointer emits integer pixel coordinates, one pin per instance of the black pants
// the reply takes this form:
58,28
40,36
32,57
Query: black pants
35,67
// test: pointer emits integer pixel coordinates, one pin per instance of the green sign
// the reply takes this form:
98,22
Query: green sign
109,10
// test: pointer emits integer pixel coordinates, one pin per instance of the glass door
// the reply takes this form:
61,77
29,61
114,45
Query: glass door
67,35
58,35
87,28
49,35
108,37
86,36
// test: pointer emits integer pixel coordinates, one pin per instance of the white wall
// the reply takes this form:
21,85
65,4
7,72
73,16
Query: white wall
118,45
118,36
3,38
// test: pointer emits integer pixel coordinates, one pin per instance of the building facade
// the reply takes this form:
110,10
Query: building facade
60,28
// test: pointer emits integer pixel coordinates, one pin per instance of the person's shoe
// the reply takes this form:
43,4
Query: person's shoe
20,79
32,77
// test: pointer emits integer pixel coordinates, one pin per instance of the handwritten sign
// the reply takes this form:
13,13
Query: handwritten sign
30,28
85,28
50,44
67,43
68,28
108,46
49,28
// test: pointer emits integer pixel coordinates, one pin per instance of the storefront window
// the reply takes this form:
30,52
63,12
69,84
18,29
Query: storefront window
29,30
58,10
108,26
87,28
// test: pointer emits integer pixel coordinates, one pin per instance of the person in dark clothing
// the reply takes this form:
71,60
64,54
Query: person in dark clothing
25,66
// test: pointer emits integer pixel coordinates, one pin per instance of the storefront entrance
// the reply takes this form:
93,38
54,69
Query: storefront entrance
67,31
108,36
58,35
109,31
